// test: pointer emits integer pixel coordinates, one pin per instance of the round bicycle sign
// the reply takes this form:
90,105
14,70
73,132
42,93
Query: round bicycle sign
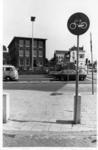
78,23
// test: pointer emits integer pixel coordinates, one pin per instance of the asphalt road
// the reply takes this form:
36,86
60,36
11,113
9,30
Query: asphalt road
49,78
48,86
46,78
42,83
34,78
34,86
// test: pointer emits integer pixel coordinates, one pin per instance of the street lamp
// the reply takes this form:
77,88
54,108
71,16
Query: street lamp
32,19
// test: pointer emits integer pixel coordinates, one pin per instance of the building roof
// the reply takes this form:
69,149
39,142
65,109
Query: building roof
4,48
74,48
61,51
18,37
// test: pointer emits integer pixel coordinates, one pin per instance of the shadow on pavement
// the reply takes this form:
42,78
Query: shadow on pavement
64,121
57,121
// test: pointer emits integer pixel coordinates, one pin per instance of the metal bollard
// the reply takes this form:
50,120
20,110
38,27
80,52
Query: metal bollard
5,107
77,110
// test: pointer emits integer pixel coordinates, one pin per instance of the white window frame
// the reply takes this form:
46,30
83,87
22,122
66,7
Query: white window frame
19,53
19,62
35,44
81,55
27,43
41,54
34,53
21,43
40,62
40,44
27,64
28,53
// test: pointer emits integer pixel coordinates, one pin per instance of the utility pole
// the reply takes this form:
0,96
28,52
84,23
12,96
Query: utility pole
92,64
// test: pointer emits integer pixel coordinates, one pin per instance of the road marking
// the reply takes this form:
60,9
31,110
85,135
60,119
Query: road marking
88,79
91,79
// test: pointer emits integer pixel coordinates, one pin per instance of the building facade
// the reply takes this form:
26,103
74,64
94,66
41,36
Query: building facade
5,55
61,56
20,50
73,56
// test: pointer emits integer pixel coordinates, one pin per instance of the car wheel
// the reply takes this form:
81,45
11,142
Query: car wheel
8,78
62,78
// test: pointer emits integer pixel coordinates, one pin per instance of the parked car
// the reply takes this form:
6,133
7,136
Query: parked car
68,75
10,73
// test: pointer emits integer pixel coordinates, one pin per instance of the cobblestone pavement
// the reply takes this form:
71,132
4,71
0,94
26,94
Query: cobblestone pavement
50,139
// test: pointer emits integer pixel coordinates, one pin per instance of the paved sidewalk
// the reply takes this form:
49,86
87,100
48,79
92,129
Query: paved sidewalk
47,111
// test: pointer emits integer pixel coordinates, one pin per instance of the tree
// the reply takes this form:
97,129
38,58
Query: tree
8,59
46,61
53,61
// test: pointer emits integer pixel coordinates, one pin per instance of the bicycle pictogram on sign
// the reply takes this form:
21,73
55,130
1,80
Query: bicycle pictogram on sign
79,24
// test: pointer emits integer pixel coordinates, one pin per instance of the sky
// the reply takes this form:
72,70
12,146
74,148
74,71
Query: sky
50,23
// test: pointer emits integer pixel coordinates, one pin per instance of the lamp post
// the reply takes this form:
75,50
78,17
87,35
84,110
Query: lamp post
32,19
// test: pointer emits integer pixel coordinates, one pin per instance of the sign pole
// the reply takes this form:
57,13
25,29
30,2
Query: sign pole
68,72
92,63
78,24
77,78
77,72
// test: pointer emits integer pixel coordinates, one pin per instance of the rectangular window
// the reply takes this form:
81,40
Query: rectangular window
81,55
35,44
9,69
34,53
21,62
20,53
27,62
73,53
40,62
27,53
21,43
40,44
40,54
27,43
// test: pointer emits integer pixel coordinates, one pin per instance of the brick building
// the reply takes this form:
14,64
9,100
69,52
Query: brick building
20,50
5,55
